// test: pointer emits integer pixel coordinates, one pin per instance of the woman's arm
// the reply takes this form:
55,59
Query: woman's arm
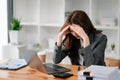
62,33
94,53
59,54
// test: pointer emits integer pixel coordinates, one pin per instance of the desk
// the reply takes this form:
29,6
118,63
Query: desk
112,62
27,73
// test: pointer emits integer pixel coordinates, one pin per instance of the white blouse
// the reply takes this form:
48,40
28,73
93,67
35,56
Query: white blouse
81,57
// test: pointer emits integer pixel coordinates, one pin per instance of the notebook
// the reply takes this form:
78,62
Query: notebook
13,64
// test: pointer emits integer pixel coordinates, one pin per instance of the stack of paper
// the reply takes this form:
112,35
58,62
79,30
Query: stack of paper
101,73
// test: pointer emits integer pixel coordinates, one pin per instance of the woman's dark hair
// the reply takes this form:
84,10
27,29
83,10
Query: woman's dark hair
80,18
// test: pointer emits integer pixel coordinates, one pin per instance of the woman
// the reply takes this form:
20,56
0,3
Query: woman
79,40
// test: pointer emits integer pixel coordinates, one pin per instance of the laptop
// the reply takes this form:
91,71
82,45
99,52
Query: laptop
34,62
49,68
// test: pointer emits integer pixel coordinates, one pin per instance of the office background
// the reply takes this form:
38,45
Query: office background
42,19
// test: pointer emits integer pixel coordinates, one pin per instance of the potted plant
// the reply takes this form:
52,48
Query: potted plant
113,48
15,31
38,46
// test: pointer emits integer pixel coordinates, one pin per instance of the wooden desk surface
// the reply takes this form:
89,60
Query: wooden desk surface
27,73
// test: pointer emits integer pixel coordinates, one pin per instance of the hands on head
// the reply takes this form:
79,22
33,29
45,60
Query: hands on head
77,31
79,25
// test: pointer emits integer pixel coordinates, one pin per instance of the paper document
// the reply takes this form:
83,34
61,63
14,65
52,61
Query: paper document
13,64
101,73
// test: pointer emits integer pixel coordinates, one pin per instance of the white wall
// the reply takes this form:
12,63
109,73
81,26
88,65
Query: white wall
3,25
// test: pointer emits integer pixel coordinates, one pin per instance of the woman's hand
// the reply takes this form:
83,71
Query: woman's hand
61,34
79,33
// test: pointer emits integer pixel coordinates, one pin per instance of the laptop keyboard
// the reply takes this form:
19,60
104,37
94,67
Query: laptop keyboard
52,68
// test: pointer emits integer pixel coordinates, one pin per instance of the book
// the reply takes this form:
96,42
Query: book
101,73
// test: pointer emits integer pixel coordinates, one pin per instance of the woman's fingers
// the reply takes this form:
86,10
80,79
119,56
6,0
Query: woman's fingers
78,30
66,30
